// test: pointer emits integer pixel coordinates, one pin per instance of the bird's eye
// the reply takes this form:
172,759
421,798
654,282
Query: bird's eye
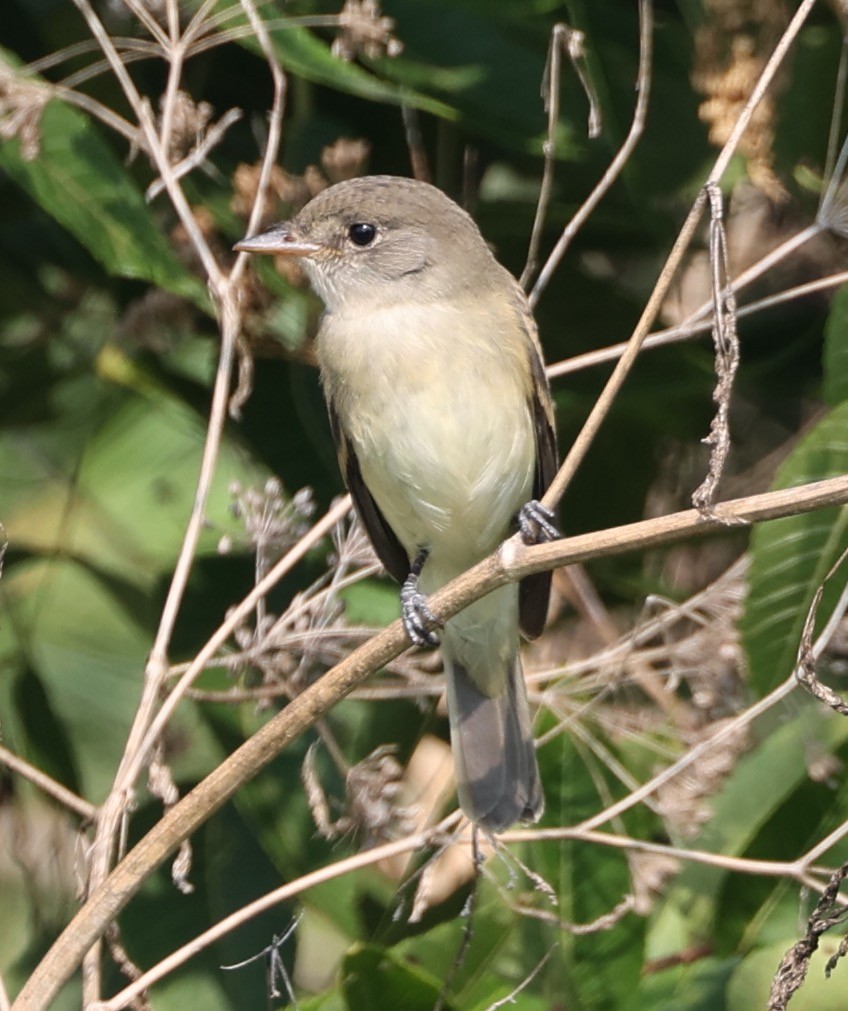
362,234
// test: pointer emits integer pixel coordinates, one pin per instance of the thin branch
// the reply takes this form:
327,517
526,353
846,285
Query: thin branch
143,113
512,562
807,656
684,331
230,320
284,893
726,342
643,85
687,233
570,40
415,144
213,136
49,785
236,615
528,979
740,865
419,840
142,12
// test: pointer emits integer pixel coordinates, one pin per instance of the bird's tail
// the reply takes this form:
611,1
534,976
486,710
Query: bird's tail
497,775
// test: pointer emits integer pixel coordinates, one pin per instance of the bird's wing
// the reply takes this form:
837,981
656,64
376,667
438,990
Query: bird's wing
383,538
535,590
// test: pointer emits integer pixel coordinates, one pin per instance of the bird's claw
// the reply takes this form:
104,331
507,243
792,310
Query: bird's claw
415,614
535,522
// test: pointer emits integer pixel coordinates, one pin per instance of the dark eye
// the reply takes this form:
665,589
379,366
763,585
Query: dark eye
362,234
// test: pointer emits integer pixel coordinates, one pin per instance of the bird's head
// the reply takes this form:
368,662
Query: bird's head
381,240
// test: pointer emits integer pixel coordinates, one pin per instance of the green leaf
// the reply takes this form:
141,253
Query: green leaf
371,602
486,972
88,653
697,987
486,63
602,968
770,778
376,978
79,182
303,53
751,982
790,558
115,490
835,362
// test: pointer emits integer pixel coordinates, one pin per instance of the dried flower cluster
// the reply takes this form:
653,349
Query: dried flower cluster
731,49
373,810
286,192
363,30
22,103
272,522
189,123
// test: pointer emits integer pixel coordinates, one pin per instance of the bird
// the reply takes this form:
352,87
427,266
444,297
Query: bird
442,416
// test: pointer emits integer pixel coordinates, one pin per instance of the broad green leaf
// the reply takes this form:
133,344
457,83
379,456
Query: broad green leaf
88,653
486,971
77,179
600,968
790,558
376,978
697,987
767,778
117,490
371,602
327,1000
236,872
835,358
751,983
479,62
302,52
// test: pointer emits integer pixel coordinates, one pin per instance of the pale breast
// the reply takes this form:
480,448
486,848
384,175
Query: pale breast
434,399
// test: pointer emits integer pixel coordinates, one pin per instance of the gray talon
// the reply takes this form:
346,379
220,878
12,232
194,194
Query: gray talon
535,522
415,614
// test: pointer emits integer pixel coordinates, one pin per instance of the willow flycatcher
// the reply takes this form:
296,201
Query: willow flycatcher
442,416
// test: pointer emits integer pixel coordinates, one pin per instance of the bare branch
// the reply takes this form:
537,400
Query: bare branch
513,561
46,783
675,257
569,40
726,341
685,331
807,657
643,85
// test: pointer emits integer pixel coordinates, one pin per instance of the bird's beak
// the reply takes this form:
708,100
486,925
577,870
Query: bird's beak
278,240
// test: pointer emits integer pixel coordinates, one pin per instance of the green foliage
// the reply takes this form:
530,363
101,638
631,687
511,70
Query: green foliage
107,359
77,180
791,557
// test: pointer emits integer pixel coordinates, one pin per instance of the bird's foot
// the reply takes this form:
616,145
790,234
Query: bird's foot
536,523
415,613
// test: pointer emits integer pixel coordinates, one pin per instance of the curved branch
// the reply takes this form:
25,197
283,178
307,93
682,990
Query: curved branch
512,562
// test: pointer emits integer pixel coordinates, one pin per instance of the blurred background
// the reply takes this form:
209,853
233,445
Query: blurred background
108,351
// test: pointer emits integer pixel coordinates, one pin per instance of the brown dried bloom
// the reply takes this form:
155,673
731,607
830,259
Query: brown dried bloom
189,123
372,789
731,50
283,190
22,102
346,159
272,520
650,872
208,228
683,802
362,29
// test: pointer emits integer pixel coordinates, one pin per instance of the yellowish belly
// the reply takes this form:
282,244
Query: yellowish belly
441,427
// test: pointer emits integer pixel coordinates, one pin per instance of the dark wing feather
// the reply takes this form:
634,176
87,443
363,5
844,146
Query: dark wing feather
536,589
383,538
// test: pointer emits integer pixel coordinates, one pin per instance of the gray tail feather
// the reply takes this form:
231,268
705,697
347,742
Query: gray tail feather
496,771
